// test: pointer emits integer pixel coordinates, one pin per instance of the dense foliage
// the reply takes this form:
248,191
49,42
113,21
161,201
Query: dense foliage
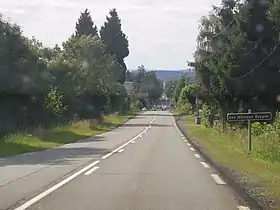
45,86
148,89
236,59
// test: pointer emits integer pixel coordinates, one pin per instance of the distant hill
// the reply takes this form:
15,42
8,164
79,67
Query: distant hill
167,75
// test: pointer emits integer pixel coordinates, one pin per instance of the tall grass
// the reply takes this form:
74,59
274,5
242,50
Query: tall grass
41,138
229,148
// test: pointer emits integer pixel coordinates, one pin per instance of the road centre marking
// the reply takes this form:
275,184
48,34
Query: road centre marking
91,170
55,187
124,145
73,176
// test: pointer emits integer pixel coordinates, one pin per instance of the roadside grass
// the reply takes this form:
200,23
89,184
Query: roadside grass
41,139
230,150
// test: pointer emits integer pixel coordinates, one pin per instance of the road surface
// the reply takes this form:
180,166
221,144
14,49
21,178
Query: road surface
145,164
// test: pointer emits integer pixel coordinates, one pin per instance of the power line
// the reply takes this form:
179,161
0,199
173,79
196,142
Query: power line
224,28
256,67
256,45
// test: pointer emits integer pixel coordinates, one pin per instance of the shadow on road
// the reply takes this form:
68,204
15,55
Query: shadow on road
61,155
145,125
157,115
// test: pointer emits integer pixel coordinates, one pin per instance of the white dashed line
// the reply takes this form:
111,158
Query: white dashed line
205,165
217,179
192,149
243,208
197,155
73,176
55,187
124,145
91,170
121,150
189,144
185,141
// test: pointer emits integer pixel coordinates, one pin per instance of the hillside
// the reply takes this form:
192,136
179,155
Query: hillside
166,75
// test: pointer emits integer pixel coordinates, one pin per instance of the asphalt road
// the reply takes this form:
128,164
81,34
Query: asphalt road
145,164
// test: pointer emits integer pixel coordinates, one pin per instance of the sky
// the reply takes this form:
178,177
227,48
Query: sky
161,33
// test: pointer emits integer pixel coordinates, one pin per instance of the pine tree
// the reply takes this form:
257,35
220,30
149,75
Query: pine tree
85,25
115,40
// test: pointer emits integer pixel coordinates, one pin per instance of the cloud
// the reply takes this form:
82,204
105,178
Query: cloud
162,33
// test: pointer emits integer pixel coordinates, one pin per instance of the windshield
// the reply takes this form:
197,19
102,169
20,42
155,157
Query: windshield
139,104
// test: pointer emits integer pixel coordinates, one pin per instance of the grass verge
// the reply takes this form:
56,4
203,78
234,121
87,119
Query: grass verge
41,139
229,150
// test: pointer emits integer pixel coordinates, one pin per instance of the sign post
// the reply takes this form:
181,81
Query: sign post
249,117
249,133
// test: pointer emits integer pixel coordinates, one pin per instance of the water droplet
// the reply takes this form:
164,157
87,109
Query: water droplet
85,64
262,2
89,107
278,98
262,87
26,79
259,27
220,43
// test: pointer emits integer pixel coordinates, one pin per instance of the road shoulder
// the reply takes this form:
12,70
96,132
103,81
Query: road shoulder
248,193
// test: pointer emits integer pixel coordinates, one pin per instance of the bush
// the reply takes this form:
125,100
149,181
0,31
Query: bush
208,115
265,138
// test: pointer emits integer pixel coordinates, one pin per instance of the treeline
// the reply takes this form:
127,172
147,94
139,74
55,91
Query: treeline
236,60
45,86
147,87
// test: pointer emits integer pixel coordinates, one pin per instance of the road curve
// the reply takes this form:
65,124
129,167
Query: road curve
150,165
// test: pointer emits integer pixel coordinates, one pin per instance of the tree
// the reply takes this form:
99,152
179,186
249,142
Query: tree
179,86
86,74
85,25
116,41
170,88
236,57
151,85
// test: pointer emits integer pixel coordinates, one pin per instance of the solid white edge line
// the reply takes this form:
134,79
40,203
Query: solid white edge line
217,179
243,208
205,165
121,150
197,155
89,172
55,187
